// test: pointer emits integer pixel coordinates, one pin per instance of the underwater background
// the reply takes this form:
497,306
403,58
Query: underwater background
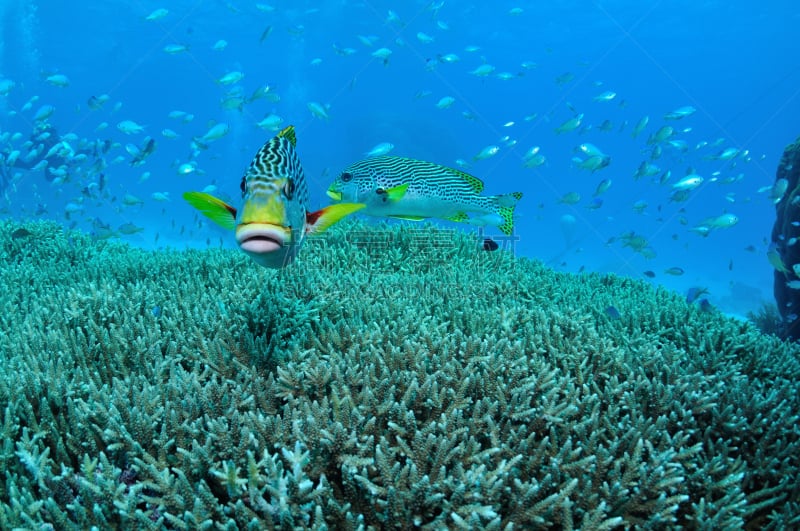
398,374
515,71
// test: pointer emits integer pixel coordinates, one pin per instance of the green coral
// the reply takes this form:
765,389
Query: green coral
392,377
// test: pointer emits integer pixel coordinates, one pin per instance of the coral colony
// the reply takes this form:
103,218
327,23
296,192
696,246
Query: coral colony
415,382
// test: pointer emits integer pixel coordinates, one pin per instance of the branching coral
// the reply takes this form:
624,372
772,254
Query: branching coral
395,377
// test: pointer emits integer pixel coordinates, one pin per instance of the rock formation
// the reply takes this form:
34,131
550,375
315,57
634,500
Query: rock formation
784,233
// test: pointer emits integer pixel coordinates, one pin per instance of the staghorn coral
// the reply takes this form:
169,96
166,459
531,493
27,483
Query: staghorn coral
395,377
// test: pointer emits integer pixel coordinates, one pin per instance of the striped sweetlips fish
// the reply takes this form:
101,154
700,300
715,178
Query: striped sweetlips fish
404,188
274,219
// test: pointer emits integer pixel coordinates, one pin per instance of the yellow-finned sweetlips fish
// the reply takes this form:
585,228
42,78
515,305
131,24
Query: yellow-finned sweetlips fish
404,188
273,219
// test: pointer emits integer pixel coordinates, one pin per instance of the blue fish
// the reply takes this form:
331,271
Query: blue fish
490,245
695,293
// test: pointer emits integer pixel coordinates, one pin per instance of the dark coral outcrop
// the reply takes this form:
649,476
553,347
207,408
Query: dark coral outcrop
784,232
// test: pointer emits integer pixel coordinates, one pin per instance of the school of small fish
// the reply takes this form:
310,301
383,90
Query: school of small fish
124,162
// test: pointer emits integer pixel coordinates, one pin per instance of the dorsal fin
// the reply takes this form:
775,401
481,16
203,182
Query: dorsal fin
288,133
474,183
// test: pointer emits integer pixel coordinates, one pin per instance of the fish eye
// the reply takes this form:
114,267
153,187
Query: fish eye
347,177
243,185
288,188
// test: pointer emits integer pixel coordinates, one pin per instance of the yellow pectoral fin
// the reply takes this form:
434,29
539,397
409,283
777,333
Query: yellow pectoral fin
214,209
395,193
321,220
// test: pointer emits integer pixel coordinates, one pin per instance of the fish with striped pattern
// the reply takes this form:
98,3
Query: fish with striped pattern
404,188
274,219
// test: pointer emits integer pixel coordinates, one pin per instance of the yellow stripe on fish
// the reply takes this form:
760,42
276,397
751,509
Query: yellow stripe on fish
273,220
413,189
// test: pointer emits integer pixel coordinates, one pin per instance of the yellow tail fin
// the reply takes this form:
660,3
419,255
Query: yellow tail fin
507,203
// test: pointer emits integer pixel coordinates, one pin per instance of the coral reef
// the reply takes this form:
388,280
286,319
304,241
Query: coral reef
394,377
784,232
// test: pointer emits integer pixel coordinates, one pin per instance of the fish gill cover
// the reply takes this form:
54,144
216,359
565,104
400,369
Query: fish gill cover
395,377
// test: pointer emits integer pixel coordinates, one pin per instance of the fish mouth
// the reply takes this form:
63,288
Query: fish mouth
261,238
336,196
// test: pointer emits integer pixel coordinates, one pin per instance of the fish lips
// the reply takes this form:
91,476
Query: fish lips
333,194
262,238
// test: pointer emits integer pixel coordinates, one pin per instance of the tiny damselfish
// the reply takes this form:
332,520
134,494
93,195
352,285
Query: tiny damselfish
273,220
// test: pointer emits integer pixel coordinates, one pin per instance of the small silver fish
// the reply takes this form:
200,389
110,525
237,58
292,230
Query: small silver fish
487,152
569,125
681,112
593,163
381,149
129,229
690,182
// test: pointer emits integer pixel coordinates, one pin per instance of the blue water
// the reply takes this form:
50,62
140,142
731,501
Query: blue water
737,63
